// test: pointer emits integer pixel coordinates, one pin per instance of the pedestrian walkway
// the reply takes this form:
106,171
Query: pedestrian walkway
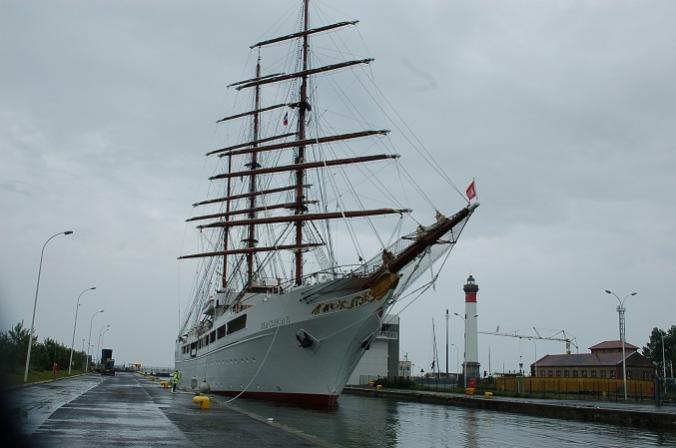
127,410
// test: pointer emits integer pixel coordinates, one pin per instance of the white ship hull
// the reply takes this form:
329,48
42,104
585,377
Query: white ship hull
266,359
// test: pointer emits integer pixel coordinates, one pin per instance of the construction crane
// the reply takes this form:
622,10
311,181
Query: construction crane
559,335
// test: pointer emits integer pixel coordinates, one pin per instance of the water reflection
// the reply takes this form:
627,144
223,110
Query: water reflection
379,423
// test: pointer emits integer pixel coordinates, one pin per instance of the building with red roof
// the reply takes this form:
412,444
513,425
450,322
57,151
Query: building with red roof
604,361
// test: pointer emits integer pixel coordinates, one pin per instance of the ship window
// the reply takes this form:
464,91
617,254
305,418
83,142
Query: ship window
592,372
221,331
212,336
575,373
566,373
237,324
584,373
206,340
558,373
612,374
550,373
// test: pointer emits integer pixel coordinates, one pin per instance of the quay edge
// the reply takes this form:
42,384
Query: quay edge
591,413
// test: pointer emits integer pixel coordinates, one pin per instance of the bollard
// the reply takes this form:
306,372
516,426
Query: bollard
201,400
379,386
488,394
164,384
470,391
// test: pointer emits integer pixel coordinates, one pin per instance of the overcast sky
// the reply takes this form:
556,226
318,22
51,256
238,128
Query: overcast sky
564,112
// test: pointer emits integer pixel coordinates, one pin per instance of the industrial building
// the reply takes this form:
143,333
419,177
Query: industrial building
382,357
604,361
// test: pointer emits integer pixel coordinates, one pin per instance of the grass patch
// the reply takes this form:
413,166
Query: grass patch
14,379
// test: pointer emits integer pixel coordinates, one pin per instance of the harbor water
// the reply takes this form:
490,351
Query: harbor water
379,422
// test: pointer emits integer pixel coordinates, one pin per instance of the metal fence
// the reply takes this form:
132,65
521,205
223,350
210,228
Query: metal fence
666,392
576,388
536,387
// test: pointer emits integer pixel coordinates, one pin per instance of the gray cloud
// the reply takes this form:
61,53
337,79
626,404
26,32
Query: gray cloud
563,111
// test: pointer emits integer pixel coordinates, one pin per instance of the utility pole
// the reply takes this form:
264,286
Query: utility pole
447,315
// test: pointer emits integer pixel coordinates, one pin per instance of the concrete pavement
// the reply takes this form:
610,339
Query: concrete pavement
127,410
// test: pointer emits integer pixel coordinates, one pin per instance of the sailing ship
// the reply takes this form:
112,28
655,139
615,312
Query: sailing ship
275,315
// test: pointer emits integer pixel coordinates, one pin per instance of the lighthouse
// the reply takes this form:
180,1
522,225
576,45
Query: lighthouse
471,364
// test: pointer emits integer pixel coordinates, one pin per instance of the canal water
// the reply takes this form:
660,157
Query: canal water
379,422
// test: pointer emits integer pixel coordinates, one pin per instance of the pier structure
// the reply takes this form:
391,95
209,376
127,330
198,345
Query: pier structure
471,359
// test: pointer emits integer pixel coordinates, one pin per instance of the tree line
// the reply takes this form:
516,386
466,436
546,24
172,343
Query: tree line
14,345
653,349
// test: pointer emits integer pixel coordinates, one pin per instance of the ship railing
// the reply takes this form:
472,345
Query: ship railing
335,273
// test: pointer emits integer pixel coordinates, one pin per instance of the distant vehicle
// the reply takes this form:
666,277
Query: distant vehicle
107,365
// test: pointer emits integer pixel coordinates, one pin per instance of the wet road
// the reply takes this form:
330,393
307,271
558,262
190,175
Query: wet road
126,410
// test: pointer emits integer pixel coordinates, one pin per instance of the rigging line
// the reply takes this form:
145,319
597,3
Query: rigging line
432,162
434,165
353,237
372,177
395,231
359,201
260,367
386,149
321,176
351,232
429,284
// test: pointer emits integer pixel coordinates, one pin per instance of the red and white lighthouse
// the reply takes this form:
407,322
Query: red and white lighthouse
471,364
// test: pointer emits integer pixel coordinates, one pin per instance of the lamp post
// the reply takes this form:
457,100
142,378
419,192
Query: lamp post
98,347
35,303
89,341
664,364
620,313
72,343
104,335
447,344
457,357
535,351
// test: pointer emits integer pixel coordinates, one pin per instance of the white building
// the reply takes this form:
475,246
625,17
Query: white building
382,358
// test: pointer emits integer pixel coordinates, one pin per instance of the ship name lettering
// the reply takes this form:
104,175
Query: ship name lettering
275,322
344,304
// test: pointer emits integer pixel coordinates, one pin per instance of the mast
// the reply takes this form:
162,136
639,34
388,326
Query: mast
253,165
226,230
300,159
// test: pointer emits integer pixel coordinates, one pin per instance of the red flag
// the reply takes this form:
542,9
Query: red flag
471,191
285,121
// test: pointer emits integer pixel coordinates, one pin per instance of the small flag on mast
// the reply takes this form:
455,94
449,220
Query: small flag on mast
471,191
285,121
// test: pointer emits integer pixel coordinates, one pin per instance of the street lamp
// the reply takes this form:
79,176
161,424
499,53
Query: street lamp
89,341
535,350
620,313
457,357
35,303
447,344
72,343
664,364
104,335
98,347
